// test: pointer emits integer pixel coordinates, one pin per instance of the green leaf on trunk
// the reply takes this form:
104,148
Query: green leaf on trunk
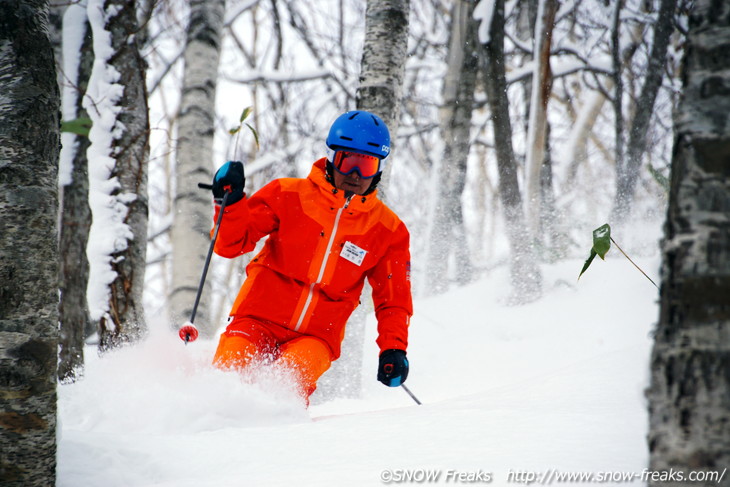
79,126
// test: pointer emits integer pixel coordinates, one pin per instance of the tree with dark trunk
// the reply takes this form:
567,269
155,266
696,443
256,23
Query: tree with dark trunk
75,325
629,165
525,273
124,319
689,397
29,148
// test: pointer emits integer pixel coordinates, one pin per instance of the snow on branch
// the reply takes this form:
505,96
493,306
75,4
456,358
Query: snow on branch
280,76
109,232
484,11
562,67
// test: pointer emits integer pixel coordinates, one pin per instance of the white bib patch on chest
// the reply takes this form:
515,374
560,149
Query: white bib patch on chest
353,253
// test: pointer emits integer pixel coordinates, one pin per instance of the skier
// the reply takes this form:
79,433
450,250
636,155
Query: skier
326,234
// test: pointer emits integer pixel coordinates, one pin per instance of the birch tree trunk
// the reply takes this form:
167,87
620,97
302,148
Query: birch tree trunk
537,129
74,323
580,132
190,236
525,274
381,82
628,171
449,235
29,142
689,397
125,320
383,67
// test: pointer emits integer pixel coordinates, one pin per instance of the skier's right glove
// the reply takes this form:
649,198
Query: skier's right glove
393,368
229,177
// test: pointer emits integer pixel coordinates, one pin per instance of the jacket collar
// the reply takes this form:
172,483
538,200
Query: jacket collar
336,197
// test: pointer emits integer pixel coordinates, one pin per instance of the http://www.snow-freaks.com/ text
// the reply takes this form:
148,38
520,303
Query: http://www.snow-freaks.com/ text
549,476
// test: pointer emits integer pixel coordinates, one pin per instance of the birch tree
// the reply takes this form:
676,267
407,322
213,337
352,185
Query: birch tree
383,65
117,104
448,236
538,123
196,126
379,91
689,397
29,142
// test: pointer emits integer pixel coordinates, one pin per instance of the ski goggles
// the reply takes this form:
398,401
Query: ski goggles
347,162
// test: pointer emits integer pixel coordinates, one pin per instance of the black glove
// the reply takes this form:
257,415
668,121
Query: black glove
393,368
229,177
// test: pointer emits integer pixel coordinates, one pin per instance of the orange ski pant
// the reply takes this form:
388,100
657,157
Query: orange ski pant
247,340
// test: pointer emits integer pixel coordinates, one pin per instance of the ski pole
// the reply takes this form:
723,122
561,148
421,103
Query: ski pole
410,394
188,332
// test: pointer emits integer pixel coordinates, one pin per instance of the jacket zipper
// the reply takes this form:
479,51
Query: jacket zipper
322,267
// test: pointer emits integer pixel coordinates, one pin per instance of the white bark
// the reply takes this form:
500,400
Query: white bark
581,132
448,234
383,66
190,237
29,147
689,398
537,129
381,81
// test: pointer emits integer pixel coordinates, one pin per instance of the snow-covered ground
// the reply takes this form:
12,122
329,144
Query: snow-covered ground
511,395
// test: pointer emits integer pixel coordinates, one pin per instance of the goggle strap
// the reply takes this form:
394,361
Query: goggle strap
331,155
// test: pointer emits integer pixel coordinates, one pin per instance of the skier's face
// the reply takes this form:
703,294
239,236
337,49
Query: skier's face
354,171
352,182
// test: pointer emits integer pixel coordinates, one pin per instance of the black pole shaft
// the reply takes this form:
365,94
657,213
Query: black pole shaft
207,259
410,394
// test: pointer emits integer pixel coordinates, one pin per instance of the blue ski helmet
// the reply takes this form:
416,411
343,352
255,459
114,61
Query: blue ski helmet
360,131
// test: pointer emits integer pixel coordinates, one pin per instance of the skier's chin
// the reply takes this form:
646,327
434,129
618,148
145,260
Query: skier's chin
353,187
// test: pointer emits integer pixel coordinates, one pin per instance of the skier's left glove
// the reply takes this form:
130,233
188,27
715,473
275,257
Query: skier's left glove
393,367
229,178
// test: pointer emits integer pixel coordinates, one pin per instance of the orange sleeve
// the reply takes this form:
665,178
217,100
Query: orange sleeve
245,222
391,283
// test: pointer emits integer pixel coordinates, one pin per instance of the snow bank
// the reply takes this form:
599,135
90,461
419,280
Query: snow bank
557,384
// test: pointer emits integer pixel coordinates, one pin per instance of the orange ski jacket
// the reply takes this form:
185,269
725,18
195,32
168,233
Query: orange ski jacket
320,248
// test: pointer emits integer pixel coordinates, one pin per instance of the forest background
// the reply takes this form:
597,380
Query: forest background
596,150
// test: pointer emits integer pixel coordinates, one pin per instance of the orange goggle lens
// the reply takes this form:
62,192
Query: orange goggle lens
348,162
